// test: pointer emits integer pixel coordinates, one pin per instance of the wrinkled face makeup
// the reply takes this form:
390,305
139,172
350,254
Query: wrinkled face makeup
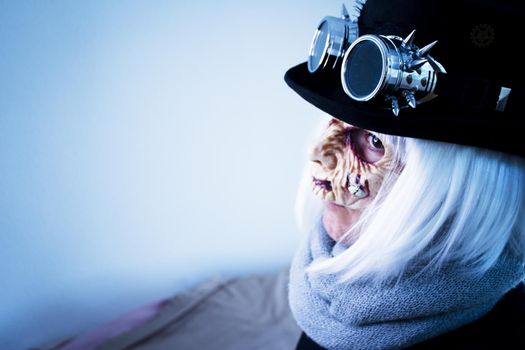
348,165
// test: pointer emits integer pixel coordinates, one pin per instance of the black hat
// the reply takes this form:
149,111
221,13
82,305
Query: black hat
479,44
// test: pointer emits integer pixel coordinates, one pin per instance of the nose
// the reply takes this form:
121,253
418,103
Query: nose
324,155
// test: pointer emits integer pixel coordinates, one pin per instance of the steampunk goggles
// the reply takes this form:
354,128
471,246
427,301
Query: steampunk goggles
387,68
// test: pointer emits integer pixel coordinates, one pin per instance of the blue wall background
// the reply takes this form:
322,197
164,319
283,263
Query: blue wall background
144,146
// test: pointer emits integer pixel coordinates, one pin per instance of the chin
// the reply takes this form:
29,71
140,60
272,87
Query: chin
336,223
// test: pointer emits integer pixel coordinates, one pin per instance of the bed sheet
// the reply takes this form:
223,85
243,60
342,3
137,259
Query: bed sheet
229,314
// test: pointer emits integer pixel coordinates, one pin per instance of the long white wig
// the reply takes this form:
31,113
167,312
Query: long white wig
450,203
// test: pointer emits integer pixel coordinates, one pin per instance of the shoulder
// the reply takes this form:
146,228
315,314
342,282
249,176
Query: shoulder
500,328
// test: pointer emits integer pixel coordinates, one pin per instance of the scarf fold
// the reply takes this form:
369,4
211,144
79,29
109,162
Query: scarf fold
360,315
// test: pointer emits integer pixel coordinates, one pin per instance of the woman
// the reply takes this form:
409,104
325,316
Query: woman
416,238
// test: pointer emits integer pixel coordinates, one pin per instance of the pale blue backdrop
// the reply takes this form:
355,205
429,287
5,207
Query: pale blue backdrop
144,146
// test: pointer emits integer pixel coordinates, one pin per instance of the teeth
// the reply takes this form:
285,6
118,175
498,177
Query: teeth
323,193
357,190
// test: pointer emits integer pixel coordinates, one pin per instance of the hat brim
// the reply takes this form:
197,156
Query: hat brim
438,119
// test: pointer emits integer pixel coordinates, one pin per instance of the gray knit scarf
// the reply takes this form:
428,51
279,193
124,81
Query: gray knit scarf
360,315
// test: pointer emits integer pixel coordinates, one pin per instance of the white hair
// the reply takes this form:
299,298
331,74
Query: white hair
450,203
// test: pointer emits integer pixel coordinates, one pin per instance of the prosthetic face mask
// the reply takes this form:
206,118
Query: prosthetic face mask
348,165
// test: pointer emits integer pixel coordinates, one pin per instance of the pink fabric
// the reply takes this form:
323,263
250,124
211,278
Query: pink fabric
116,327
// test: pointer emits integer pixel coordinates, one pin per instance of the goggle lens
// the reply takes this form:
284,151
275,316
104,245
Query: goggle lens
363,70
319,47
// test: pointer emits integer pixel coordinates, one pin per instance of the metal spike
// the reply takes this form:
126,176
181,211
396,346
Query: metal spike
409,40
395,105
410,98
417,63
344,13
438,67
424,51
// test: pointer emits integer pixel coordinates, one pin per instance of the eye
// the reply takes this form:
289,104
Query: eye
374,141
366,145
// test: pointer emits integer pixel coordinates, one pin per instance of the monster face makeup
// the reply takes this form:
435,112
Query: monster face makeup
348,165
